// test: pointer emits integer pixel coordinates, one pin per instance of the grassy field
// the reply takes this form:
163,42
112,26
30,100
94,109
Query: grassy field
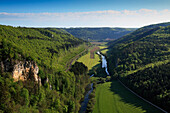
94,65
90,63
112,97
104,49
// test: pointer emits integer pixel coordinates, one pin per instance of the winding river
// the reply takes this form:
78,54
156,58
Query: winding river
86,98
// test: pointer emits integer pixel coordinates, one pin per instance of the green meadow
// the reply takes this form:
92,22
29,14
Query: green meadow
103,48
112,97
90,63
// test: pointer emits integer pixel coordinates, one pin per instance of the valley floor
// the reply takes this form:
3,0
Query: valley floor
112,97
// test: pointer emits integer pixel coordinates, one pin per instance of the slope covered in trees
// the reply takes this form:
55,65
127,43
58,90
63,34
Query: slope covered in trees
50,49
141,60
99,33
152,83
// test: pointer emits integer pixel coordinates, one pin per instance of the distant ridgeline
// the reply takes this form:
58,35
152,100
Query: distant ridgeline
99,33
141,60
32,70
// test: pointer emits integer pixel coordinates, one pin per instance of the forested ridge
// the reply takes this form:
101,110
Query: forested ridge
152,84
99,33
141,60
50,49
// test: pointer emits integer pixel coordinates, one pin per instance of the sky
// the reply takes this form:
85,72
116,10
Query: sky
84,13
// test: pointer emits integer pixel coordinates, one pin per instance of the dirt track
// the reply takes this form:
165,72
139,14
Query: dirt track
92,51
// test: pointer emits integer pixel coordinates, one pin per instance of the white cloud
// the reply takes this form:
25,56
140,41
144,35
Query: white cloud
109,18
127,12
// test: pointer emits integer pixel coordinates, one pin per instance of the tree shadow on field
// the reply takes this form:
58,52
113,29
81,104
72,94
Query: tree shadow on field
125,95
131,99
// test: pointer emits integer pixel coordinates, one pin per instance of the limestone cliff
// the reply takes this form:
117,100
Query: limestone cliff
22,70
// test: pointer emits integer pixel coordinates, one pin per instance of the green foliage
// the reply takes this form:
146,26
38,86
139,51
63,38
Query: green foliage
153,84
79,68
141,60
51,49
25,95
142,47
37,44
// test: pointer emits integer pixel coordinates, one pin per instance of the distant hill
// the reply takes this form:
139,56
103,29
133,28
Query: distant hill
99,33
140,33
141,60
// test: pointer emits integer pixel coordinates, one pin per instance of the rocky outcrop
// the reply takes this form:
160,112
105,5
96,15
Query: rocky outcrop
22,70
27,70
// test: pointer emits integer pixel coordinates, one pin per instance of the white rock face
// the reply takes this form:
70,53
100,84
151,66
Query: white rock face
26,70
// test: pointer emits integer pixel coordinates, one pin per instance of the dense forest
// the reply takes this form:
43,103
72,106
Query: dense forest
141,60
99,33
152,83
47,50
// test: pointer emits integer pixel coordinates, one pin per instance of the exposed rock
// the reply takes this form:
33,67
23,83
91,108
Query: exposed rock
21,70
27,70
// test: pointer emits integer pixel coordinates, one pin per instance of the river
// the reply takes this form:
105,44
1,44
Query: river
86,98
104,62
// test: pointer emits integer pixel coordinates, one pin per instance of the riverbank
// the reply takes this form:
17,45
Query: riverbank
86,100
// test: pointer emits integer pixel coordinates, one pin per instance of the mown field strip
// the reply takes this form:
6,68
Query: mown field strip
112,97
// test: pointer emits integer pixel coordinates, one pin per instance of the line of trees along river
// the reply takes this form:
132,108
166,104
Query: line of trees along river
86,98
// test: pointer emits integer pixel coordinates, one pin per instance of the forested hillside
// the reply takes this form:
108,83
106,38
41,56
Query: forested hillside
42,52
141,60
99,33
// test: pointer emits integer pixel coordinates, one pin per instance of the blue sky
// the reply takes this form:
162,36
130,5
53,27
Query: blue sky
36,6
20,12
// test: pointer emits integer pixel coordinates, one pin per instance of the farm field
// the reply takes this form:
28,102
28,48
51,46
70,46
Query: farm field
90,63
112,97
103,48
92,51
